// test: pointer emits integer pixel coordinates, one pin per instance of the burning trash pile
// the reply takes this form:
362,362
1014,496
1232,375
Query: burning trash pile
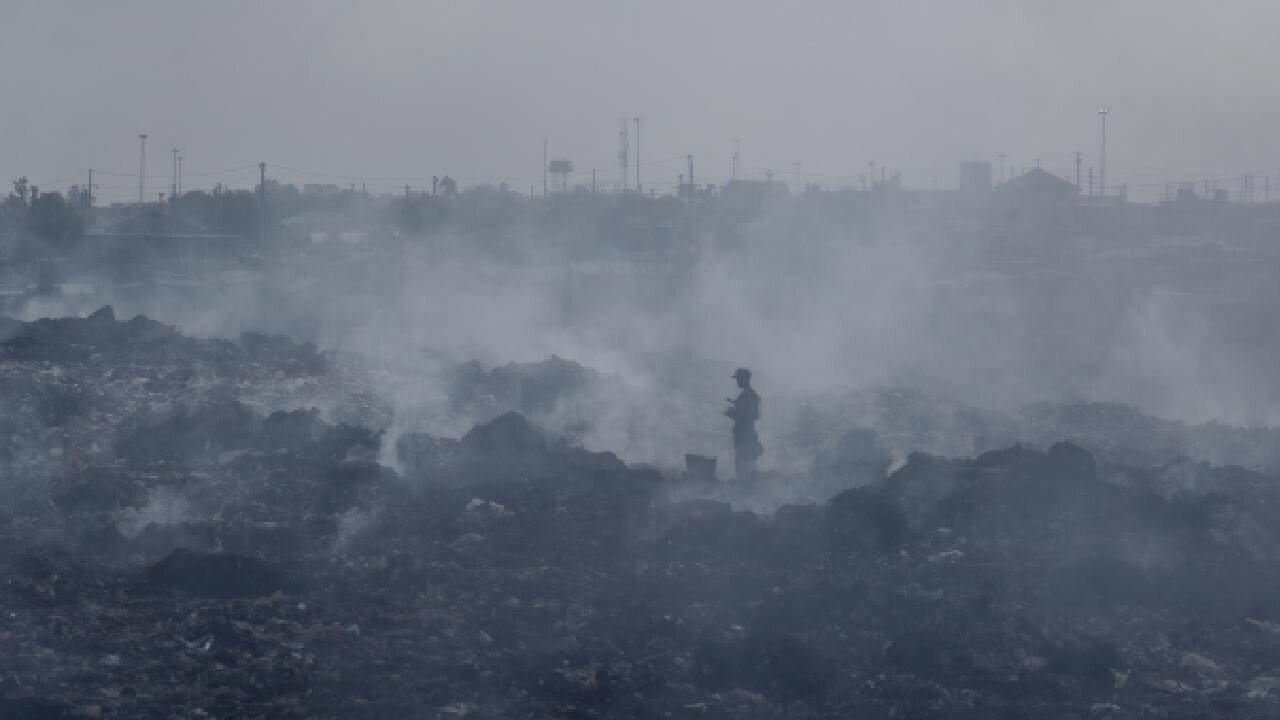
206,557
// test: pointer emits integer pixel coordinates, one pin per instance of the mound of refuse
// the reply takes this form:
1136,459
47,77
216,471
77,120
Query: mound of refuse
193,554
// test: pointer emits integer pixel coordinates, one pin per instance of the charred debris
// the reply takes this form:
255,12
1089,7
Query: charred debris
172,547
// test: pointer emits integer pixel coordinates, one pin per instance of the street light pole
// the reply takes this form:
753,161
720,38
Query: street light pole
639,189
142,169
1102,156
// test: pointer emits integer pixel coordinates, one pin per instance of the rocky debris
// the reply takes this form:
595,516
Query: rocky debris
48,577
857,458
213,559
1118,435
778,667
218,575
526,388
1121,435
33,709
514,574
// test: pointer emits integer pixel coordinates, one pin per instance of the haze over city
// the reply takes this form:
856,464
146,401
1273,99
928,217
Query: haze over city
395,92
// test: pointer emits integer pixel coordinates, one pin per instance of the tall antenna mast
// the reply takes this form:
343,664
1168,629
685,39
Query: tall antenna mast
624,153
262,202
1102,156
639,188
142,168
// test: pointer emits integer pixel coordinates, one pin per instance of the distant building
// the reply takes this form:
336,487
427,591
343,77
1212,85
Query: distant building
1037,190
323,227
150,232
753,191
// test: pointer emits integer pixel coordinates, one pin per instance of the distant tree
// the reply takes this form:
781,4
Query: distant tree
486,215
13,211
448,186
234,212
420,213
54,221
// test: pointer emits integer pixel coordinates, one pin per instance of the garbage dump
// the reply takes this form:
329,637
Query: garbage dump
180,537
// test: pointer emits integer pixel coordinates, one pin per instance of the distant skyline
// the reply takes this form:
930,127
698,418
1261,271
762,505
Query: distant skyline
390,93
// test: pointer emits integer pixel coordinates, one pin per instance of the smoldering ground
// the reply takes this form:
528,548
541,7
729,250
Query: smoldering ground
816,305
182,547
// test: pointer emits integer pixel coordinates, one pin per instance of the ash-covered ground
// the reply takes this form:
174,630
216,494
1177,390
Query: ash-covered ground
201,528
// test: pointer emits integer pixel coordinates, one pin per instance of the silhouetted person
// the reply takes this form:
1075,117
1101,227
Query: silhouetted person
745,411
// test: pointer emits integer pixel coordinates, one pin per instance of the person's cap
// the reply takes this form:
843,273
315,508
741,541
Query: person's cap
741,372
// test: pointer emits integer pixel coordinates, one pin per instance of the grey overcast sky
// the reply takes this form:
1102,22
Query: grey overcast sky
389,92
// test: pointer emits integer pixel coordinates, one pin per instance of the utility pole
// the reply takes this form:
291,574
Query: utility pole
690,158
179,174
593,181
624,153
1090,182
737,149
1077,172
262,202
639,188
1002,156
142,169
1102,155
173,189
90,187
544,167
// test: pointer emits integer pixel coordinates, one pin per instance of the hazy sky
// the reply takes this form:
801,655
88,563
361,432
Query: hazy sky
393,92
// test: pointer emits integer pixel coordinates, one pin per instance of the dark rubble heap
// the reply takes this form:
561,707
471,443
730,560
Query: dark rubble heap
68,385
215,561
908,420
527,388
